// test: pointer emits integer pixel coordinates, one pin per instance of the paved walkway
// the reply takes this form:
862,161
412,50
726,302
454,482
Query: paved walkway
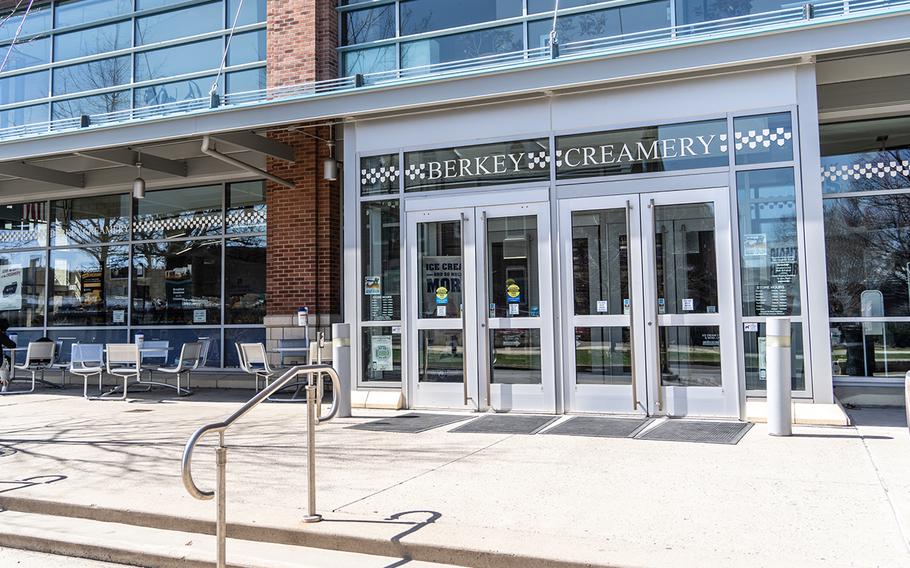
832,497
10,557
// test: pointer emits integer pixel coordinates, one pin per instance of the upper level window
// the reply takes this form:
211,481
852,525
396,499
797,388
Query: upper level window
83,11
371,24
38,20
601,23
100,39
418,16
179,23
535,6
456,47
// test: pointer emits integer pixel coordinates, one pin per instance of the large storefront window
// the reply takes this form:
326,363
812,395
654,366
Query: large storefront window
381,254
866,185
189,264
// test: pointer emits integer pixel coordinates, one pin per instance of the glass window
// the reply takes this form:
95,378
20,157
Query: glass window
185,90
869,155
380,355
96,335
27,87
535,6
870,349
92,75
457,47
82,11
84,220
180,59
603,356
600,263
23,115
477,166
247,48
515,357
694,11
379,174
512,270
601,23
380,225
764,138
686,259
754,344
246,207
95,104
244,280
90,286
245,81
251,12
440,356
179,23
177,282
177,337
690,356
670,147
22,277
371,24
235,335
28,53
768,242
372,60
38,20
419,16
102,39
23,225
868,244
178,213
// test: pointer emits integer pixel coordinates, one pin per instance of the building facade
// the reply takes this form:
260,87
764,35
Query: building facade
600,223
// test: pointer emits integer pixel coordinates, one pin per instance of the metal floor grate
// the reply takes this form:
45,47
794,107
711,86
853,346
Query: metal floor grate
600,427
412,423
505,424
701,431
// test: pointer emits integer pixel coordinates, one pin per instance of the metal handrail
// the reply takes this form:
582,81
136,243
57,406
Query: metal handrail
186,463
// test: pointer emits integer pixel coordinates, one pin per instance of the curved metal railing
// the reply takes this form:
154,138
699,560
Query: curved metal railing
186,463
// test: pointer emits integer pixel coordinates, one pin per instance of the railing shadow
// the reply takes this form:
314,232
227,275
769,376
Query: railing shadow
30,482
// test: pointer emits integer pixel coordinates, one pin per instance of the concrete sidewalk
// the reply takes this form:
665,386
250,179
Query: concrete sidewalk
825,497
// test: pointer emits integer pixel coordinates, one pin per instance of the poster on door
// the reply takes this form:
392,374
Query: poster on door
441,277
381,353
11,288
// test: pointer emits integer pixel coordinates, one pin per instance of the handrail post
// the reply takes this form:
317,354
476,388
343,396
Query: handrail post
311,516
221,504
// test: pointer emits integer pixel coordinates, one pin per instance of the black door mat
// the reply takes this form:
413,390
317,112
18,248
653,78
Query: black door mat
505,424
412,423
701,431
600,427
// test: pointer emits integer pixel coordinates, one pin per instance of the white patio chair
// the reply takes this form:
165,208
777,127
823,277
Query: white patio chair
154,355
39,356
86,361
123,361
254,361
190,357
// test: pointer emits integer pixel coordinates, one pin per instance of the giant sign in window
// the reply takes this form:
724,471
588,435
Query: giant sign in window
648,149
477,166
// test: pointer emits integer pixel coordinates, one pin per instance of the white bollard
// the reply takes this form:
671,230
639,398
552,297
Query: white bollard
341,360
777,368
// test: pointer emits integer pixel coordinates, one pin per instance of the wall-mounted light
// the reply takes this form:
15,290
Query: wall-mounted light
139,183
330,165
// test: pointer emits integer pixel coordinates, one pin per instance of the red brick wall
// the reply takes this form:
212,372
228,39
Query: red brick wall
304,248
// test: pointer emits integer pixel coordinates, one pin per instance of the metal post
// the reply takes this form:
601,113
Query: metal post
311,516
341,360
221,503
777,365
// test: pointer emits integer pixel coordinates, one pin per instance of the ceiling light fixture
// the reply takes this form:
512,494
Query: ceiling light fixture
139,183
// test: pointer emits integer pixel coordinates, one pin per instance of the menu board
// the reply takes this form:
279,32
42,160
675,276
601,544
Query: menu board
382,308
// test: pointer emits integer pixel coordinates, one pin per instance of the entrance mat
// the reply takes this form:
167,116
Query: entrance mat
702,431
505,424
413,423
600,427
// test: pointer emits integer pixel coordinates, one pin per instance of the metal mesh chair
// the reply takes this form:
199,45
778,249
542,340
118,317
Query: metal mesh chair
123,361
190,357
87,360
38,358
254,361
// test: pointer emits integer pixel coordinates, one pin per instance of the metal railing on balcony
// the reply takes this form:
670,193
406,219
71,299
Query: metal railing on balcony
803,14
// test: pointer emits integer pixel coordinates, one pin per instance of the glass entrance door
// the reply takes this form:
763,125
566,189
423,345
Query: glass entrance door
481,304
651,304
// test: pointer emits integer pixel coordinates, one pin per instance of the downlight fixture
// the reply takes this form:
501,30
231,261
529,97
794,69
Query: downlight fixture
139,183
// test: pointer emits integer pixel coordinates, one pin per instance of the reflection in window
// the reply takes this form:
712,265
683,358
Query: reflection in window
369,60
768,242
244,280
381,354
694,11
247,48
868,243
515,357
440,356
21,88
601,23
600,262
23,115
23,225
419,16
251,11
690,356
754,346
78,12
178,282
95,104
870,155
512,267
603,356
175,339
379,174
372,24
22,278
468,45
440,259
380,254
180,59
870,349
28,53
178,213
763,138
246,207
92,75
38,20
102,39
186,90
90,286
235,335
245,81
85,220
686,258
179,23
